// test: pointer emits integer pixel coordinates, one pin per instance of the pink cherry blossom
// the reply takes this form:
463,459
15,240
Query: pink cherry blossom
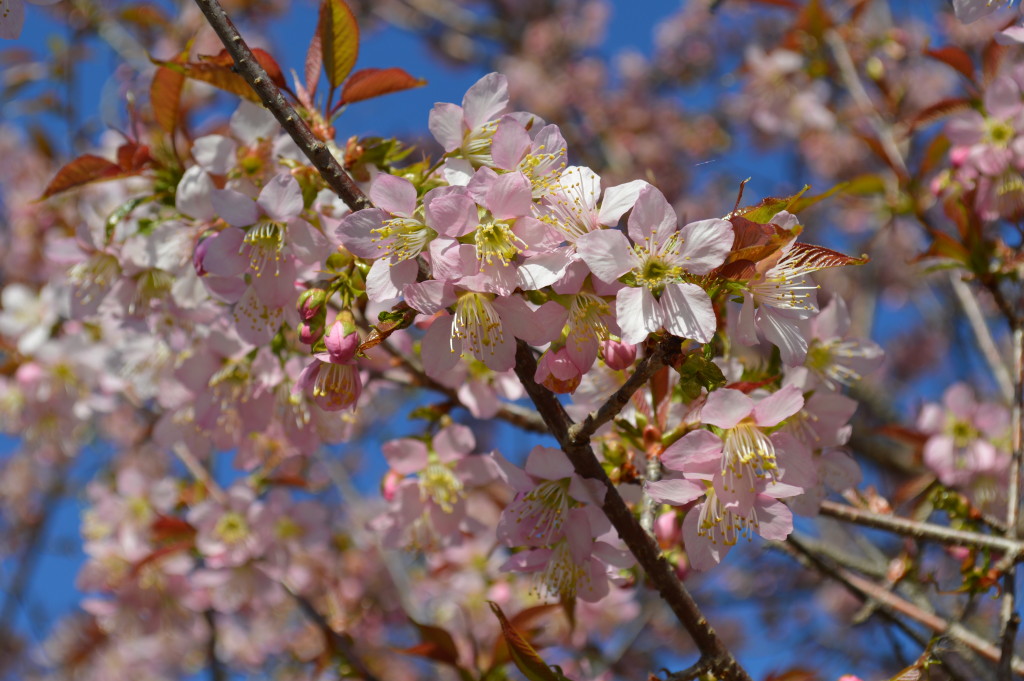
659,260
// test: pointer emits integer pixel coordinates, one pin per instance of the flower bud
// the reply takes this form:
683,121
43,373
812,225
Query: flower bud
557,373
618,355
311,302
310,333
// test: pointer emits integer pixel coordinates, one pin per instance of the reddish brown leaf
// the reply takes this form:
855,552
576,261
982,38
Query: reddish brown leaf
435,644
339,40
529,621
215,74
165,97
167,527
523,654
955,57
808,257
133,156
314,60
263,58
82,171
939,110
991,60
369,83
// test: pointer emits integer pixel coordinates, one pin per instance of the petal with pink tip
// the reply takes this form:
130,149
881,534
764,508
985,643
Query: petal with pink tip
674,492
548,463
607,253
445,124
619,199
697,446
726,407
222,257
355,232
454,442
487,98
705,245
452,214
396,195
778,406
638,314
405,456
281,198
510,144
652,220
510,196
687,312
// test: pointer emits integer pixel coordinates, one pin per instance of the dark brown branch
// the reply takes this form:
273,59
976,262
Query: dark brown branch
581,432
640,544
342,644
919,530
314,149
217,670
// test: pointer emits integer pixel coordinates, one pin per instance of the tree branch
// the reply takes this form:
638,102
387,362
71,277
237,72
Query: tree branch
640,544
1008,615
315,150
919,530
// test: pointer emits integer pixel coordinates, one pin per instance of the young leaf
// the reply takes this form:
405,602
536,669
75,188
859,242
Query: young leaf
314,60
811,257
955,57
215,74
339,40
523,654
263,58
82,171
435,644
165,97
768,208
369,83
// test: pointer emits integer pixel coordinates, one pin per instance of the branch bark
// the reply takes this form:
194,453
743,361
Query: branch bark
640,544
315,149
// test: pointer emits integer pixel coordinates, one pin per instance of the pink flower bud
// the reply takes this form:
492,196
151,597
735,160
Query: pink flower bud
199,255
389,485
618,355
667,530
557,373
311,302
309,333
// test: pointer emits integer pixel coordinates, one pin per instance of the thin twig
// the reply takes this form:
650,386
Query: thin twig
1008,616
893,606
340,643
315,150
217,670
640,544
920,530
581,432
972,310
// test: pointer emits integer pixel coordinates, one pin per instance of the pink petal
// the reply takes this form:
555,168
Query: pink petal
487,98
452,214
652,220
281,198
445,124
405,456
705,245
510,144
674,492
428,297
638,314
785,333
702,554
355,232
306,242
386,281
775,520
688,312
619,199
778,406
726,407
222,256
607,253
215,153
440,352
548,463
233,207
510,196
454,442
697,446
396,195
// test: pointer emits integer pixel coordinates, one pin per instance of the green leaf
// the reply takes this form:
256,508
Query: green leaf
698,372
522,653
339,40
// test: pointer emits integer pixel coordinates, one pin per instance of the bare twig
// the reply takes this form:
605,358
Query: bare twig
1008,616
640,544
340,643
315,150
920,530
969,304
